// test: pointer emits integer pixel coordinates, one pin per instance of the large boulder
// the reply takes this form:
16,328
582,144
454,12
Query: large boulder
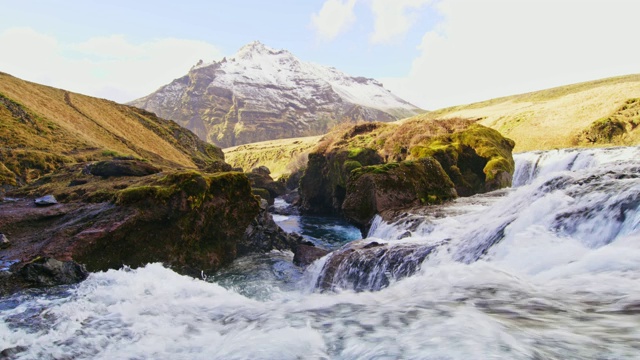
374,189
367,168
109,168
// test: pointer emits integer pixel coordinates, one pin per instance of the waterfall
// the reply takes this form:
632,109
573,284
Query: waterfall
548,269
590,196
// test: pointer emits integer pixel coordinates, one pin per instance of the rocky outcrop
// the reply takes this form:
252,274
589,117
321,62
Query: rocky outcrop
108,203
365,169
185,219
264,94
374,189
41,272
264,235
263,185
110,168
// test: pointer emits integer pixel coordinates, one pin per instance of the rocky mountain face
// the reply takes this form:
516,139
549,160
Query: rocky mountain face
264,94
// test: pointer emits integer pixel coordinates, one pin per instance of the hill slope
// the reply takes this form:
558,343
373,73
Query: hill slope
585,114
42,128
589,113
265,94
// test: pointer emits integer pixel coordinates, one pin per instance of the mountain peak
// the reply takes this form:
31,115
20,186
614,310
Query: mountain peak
261,93
256,48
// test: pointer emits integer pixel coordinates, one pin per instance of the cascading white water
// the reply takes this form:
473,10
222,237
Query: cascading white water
590,196
546,270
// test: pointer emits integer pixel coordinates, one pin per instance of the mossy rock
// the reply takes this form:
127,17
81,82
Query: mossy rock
373,189
186,219
263,193
603,131
110,168
475,158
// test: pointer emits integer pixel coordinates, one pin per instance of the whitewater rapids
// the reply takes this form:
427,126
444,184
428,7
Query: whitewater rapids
549,269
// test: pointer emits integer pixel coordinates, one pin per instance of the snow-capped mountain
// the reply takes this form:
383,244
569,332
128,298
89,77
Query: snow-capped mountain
265,94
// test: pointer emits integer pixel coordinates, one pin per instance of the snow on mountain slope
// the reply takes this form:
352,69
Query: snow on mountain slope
263,94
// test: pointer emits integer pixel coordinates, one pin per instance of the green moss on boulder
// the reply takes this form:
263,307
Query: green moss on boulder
381,166
186,219
373,189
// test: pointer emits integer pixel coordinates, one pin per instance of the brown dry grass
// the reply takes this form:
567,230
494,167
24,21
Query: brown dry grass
550,118
77,125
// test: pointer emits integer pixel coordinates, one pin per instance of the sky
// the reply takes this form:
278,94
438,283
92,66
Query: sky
433,53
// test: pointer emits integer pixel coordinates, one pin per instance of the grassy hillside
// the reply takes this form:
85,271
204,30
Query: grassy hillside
561,117
43,128
280,156
596,113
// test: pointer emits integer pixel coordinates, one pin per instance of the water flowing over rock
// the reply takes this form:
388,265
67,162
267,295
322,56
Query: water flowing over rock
588,195
548,269
306,254
370,266
265,94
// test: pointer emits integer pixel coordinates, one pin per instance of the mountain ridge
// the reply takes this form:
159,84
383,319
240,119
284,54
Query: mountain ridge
262,94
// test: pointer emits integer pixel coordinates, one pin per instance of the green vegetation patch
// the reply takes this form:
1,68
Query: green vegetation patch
613,128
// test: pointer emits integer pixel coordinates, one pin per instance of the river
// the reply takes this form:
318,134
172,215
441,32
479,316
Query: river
549,269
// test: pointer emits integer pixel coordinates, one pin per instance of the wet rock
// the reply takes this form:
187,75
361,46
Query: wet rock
374,189
371,266
45,271
4,241
46,200
12,352
304,255
110,168
40,272
182,219
264,235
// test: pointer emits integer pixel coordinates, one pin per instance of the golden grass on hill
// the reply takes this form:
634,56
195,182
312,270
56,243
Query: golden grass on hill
67,122
280,156
43,129
551,118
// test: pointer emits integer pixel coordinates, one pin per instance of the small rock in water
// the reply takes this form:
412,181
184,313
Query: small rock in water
46,200
12,352
305,254
4,242
51,272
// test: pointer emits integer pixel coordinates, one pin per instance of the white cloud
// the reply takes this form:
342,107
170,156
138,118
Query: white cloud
488,49
393,18
109,67
334,18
